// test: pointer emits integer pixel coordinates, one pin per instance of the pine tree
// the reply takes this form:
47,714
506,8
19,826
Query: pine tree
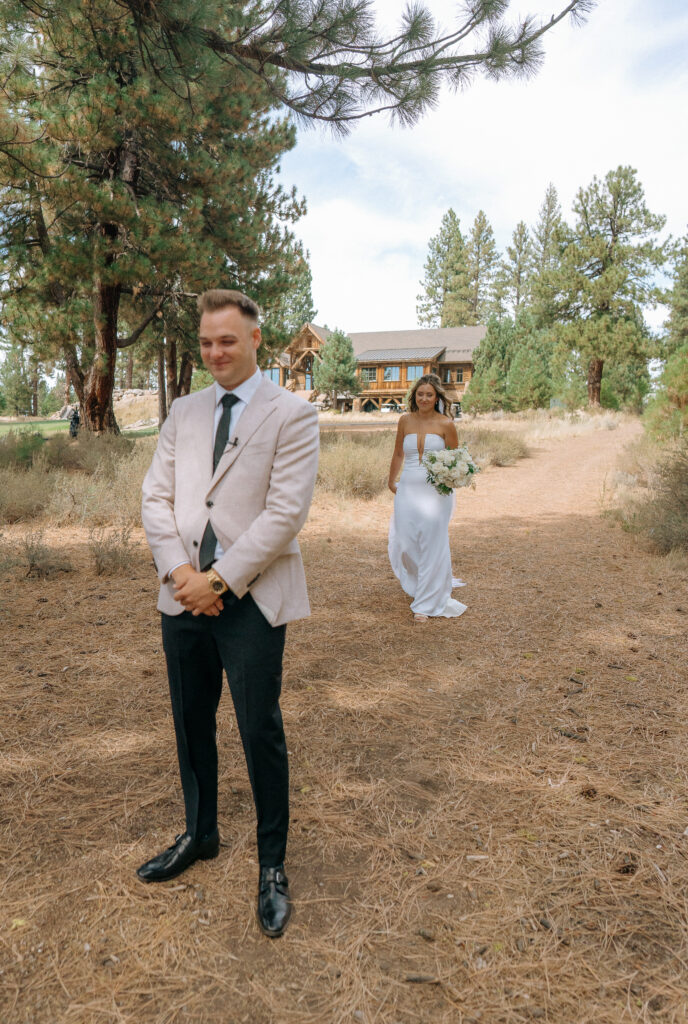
127,187
292,310
335,371
491,362
516,270
444,300
15,382
666,417
607,274
677,323
482,260
140,139
338,68
548,238
529,383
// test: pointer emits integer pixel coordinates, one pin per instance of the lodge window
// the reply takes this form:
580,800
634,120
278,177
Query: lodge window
392,373
450,376
414,372
369,375
272,374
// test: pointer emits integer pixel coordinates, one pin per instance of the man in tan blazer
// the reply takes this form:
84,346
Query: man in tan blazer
227,492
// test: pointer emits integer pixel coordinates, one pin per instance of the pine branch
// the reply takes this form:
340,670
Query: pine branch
331,46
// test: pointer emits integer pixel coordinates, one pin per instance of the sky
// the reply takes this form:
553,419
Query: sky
610,93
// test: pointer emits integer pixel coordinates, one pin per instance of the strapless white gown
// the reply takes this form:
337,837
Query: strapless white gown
419,536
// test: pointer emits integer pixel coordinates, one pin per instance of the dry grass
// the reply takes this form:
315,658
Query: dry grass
24,493
487,814
356,464
553,424
112,551
648,494
42,561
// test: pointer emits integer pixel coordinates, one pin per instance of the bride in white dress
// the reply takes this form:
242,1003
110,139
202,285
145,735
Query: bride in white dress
419,528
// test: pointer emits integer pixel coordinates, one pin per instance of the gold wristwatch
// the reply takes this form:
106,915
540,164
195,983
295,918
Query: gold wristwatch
217,584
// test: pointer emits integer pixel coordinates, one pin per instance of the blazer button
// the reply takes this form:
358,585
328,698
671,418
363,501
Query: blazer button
195,543
209,504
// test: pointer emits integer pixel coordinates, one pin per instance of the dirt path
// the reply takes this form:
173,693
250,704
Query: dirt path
488,813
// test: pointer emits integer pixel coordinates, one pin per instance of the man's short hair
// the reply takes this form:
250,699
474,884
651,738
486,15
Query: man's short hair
220,298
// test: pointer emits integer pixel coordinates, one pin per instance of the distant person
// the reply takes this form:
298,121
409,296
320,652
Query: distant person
74,422
419,530
227,492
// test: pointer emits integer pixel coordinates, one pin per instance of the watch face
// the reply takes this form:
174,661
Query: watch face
217,586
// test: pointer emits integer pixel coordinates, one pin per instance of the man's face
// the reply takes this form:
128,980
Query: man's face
229,341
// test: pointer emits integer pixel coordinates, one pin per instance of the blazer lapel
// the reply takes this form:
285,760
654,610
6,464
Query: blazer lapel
206,430
255,413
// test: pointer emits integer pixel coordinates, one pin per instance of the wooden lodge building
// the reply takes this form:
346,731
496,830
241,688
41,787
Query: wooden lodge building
388,363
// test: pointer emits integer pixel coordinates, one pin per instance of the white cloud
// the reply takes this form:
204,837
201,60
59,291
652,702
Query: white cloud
610,93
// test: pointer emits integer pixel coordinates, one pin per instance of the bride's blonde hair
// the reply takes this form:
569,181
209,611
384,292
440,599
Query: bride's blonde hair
442,403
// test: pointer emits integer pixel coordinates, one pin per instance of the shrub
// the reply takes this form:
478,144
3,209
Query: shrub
112,494
42,561
24,493
662,515
112,552
18,448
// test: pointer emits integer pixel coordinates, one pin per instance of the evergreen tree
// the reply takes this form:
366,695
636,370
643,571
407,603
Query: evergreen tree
548,238
607,274
444,300
15,382
338,68
516,270
293,309
139,140
335,371
482,261
677,323
491,362
529,384
666,417
126,185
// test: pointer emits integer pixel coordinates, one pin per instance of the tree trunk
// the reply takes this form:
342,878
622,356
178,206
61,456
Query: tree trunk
162,397
171,370
67,386
98,413
595,367
185,374
129,372
34,391
74,376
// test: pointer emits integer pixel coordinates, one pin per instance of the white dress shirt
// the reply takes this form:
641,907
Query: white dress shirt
244,393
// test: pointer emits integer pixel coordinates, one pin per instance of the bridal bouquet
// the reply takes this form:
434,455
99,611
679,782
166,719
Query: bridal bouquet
450,468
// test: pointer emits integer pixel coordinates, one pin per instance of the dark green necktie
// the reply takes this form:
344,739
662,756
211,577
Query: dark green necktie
206,555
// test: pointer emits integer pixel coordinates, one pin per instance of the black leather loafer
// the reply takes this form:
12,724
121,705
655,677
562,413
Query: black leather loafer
274,905
179,857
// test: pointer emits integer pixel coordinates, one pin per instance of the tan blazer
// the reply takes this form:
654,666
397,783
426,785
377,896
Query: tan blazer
257,499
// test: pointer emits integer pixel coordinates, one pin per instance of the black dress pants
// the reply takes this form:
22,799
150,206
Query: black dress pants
243,643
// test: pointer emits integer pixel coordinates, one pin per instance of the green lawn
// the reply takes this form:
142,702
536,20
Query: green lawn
45,427
48,427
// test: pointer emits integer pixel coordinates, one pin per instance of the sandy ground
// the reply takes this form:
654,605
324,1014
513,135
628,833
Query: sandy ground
488,813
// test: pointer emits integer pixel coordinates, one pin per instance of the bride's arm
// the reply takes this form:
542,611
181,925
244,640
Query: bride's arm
451,438
397,457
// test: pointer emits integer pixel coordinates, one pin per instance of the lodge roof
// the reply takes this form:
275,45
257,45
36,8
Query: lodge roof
448,344
401,354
